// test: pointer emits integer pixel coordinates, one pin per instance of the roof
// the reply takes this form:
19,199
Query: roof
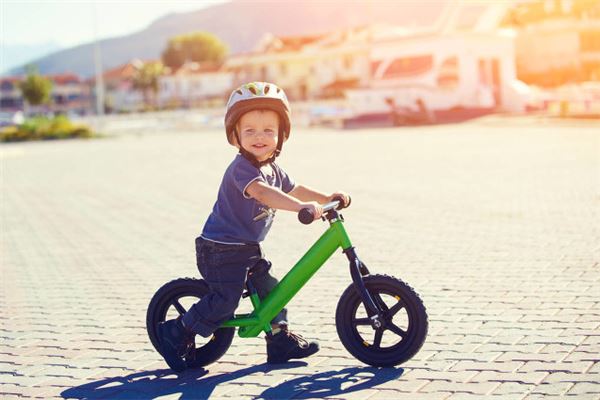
64,79
280,44
191,68
59,79
124,71
295,43
11,79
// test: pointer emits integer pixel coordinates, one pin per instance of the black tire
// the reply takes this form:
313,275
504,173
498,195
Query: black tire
365,343
167,302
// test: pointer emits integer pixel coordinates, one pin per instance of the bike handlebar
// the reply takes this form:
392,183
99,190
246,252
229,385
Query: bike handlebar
307,217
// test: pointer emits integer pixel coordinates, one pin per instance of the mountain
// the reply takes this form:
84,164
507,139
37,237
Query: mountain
241,24
16,55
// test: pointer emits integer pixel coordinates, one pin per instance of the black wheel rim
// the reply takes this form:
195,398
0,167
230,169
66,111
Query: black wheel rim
176,304
179,306
395,333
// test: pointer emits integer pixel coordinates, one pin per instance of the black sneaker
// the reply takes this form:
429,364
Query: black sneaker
286,345
175,342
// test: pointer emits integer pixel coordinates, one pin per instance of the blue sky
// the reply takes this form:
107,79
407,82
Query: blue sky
31,29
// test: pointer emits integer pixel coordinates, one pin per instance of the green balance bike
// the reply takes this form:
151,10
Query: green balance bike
380,320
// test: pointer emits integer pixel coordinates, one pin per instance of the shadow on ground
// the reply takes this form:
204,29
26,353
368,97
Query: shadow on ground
192,385
332,383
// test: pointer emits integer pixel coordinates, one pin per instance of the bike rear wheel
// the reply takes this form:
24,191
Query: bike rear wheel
174,299
404,327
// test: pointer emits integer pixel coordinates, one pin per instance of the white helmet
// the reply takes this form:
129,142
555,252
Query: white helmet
254,96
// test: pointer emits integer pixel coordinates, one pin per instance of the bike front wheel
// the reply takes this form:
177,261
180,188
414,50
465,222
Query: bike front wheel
172,300
404,322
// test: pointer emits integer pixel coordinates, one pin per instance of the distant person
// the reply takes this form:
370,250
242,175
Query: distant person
400,116
228,251
424,115
397,115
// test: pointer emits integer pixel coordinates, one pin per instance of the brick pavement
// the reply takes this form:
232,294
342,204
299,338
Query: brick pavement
494,223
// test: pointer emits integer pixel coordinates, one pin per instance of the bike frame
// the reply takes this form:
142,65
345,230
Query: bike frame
251,325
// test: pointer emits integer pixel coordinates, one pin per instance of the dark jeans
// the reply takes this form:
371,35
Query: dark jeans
225,269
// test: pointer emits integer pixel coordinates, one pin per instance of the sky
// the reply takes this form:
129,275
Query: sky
31,29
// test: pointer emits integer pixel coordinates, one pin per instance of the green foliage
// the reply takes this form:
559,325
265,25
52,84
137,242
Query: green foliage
146,76
35,88
43,128
197,46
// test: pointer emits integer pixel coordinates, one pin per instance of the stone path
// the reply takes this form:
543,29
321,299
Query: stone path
495,223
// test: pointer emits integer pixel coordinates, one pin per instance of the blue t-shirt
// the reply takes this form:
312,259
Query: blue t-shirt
232,217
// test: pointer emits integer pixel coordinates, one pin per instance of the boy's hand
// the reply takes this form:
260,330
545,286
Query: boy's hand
315,208
344,196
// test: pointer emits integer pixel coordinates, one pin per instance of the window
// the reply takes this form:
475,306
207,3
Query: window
6,86
448,76
374,66
589,41
408,67
348,62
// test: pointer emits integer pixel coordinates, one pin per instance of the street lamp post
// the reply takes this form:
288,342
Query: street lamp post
98,65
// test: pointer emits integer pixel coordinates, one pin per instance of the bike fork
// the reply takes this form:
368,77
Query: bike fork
357,271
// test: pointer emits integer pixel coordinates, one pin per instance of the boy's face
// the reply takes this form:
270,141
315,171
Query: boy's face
258,131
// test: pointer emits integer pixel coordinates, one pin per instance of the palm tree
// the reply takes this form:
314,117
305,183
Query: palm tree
35,88
145,79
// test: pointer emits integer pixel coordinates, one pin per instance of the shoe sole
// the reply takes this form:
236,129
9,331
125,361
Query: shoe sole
175,363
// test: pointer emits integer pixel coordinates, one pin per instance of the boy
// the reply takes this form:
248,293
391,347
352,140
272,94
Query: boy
257,122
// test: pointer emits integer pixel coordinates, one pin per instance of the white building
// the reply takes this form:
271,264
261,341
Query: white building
120,95
460,69
463,62
193,83
574,49
308,66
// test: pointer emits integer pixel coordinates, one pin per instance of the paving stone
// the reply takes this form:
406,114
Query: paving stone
490,221
480,388
571,377
507,366
532,378
552,389
585,388
577,367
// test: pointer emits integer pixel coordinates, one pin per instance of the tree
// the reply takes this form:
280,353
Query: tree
197,46
145,78
35,88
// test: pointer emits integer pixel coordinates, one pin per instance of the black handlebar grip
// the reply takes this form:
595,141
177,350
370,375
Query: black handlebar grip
306,216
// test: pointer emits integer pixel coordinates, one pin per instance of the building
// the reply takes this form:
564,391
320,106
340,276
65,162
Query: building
70,95
454,70
573,56
281,60
10,95
120,95
463,62
307,67
194,83
341,62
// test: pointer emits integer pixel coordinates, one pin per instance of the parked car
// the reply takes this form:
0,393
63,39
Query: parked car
8,118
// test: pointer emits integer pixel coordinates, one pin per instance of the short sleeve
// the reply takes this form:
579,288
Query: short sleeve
287,183
243,174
